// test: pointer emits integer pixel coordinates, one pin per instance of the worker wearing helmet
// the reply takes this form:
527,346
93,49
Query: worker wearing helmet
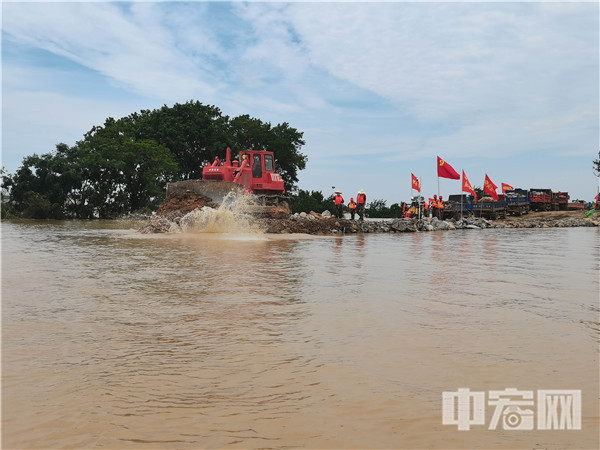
352,206
361,200
339,201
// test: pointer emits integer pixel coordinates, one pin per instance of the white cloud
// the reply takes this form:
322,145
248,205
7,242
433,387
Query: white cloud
441,60
130,47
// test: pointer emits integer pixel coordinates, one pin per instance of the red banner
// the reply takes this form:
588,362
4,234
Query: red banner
415,183
506,187
445,170
466,186
490,188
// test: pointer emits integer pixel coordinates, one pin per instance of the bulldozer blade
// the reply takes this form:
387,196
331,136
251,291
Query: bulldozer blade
215,190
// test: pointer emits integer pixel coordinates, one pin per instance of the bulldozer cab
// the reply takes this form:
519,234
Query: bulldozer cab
260,176
262,162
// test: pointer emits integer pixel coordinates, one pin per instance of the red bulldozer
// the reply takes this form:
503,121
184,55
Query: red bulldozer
252,173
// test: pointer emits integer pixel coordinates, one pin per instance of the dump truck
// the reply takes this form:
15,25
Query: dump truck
456,206
560,201
577,205
489,208
254,173
541,199
517,201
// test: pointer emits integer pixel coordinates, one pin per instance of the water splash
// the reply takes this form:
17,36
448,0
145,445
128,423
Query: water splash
233,216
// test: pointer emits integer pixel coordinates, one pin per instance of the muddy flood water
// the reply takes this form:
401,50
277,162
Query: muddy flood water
114,339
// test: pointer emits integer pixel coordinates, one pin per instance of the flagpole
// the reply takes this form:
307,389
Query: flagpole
461,194
420,203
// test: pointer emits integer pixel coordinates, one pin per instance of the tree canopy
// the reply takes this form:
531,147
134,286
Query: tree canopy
125,164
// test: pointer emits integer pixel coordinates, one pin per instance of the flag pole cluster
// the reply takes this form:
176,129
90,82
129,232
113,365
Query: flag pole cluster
445,170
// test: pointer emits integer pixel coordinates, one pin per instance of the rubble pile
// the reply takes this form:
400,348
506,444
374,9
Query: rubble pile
179,204
172,209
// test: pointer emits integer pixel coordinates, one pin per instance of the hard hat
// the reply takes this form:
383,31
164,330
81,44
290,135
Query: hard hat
351,199
434,195
361,192
338,192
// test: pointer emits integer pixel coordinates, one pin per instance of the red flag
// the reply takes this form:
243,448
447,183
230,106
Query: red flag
490,188
466,186
506,187
415,183
445,170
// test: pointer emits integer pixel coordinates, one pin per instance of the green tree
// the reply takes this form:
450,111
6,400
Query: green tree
377,208
7,209
286,143
305,201
479,191
193,132
125,174
395,210
37,187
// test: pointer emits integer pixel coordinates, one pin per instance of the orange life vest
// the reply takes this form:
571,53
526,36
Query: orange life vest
338,200
361,198
352,205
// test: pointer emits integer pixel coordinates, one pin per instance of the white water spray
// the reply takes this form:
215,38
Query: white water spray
233,216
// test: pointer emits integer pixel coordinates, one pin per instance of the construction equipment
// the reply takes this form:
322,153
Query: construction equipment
457,206
253,173
540,199
518,201
489,208
560,201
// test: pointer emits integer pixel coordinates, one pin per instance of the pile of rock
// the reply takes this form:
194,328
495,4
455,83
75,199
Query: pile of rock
314,223
168,217
181,203
552,223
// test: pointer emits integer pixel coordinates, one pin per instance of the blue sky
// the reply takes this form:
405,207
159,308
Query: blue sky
379,89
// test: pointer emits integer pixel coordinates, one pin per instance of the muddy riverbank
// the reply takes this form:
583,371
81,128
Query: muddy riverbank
175,213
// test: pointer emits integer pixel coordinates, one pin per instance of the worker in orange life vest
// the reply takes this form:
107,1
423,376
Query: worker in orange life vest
361,199
339,201
352,206
434,206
